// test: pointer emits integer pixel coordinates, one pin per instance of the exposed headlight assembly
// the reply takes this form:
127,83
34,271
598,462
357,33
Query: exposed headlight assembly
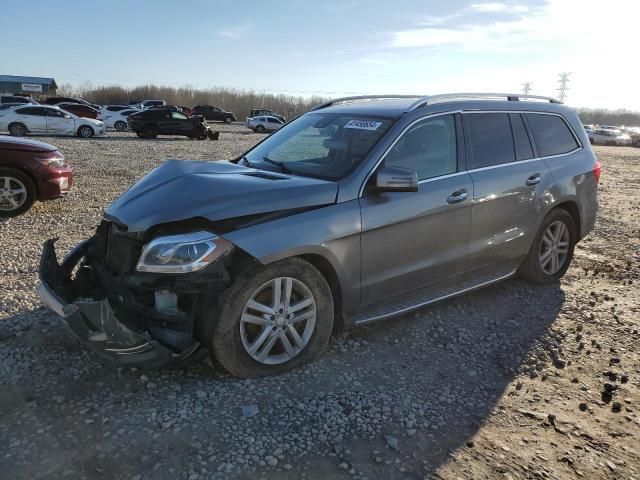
185,253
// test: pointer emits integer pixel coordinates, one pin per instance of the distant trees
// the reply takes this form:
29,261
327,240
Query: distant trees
238,101
602,116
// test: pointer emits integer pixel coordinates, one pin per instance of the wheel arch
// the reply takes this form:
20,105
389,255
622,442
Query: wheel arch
571,207
27,173
331,276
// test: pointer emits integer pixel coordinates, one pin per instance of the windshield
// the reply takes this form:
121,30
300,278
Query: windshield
324,145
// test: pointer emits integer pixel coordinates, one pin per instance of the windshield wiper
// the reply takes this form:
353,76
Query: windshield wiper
280,165
247,162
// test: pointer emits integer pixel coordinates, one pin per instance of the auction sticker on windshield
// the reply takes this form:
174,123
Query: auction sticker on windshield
363,124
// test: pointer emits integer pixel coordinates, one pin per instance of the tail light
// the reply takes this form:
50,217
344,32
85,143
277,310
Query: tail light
597,169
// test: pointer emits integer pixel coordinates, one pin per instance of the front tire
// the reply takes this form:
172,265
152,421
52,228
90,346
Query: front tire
17,130
227,120
271,319
260,129
149,131
17,192
552,250
85,132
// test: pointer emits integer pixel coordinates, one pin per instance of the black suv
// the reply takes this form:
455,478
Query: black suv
213,113
167,121
263,112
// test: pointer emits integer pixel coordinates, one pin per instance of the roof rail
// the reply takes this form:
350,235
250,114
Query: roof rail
511,97
363,98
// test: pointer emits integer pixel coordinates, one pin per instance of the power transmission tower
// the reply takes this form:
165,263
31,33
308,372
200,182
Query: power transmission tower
526,87
563,87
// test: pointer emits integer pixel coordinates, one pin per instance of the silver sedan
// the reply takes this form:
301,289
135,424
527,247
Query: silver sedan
263,124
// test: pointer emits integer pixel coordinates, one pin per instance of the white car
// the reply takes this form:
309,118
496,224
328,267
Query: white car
118,120
608,136
20,121
152,103
263,124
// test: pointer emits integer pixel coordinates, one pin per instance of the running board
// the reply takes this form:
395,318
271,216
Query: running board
393,310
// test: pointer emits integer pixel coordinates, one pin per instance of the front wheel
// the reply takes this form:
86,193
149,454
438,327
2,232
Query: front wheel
17,192
85,132
260,129
272,319
552,249
227,120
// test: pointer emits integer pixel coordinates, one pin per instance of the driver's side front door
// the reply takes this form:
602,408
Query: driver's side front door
59,122
415,243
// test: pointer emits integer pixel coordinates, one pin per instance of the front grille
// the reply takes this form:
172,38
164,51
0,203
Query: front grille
118,249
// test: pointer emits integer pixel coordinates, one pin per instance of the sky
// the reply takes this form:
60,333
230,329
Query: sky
333,48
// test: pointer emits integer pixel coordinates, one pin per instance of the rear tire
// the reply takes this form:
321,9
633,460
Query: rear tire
17,130
14,180
541,265
149,131
229,338
260,129
120,126
228,120
591,141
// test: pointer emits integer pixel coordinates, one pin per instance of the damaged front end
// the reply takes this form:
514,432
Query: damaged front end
136,301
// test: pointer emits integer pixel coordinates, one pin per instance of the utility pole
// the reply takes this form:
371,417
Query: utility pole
526,87
563,82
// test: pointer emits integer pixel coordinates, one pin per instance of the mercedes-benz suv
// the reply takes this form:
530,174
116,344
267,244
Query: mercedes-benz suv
359,210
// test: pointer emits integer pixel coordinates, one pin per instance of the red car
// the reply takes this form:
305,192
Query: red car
81,110
29,171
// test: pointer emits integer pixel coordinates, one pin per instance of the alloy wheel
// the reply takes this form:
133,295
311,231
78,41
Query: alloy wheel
278,321
13,194
554,247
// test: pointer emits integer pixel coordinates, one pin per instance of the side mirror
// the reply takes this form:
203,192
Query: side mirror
67,116
396,179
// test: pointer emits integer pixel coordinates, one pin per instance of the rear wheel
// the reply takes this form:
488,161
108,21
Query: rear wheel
552,249
260,129
17,130
272,319
120,126
17,192
149,131
591,141
85,131
227,120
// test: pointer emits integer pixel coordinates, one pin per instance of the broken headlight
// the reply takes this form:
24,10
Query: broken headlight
185,253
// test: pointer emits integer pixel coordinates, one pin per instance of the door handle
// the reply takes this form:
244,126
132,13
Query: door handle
533,180
457,197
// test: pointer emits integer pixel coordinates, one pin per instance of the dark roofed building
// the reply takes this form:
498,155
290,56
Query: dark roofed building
28,85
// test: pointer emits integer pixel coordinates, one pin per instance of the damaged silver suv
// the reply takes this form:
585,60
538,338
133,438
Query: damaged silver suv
361,209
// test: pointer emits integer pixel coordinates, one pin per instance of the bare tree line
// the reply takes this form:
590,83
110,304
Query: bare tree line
239,102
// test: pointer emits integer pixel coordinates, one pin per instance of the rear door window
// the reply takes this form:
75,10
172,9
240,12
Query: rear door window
490,138
551,134
37,111
520,138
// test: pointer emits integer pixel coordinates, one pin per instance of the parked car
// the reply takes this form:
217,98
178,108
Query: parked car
213,113
80,110
152,103
261,112
263,124
119,120
606,136
354,212
20,121
30,171
106,109
16,99
57,100
152,122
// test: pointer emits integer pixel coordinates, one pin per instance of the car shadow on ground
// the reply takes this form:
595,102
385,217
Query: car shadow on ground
426,381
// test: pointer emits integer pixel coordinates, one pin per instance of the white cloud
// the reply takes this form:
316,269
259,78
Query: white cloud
235,32
489,7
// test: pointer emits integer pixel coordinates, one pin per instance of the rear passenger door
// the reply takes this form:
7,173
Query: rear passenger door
510,193
34,118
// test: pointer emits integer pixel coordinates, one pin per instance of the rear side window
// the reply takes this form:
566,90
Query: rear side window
520,138
39,111
551,134
14,100
491,139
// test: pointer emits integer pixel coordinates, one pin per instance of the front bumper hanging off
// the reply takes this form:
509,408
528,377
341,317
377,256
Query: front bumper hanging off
93,320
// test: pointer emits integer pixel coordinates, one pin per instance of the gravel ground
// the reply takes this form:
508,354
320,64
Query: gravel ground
514,381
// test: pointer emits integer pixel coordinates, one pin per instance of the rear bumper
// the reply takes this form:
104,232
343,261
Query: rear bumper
94,322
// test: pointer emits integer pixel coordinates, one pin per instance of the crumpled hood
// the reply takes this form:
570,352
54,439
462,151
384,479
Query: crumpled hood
183,189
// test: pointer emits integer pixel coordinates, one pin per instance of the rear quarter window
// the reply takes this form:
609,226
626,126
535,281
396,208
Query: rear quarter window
551,134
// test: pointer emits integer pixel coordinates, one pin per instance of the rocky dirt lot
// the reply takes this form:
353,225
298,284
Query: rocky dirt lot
514,381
